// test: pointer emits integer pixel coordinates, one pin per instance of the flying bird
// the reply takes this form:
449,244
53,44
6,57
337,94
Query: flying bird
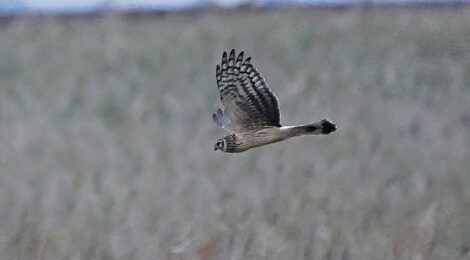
251,111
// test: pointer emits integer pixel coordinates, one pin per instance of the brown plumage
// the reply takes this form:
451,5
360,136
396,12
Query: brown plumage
251,110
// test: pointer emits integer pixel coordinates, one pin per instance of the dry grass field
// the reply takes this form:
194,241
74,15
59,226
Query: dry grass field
106,137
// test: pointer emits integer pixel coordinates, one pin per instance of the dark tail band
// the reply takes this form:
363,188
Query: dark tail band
323,127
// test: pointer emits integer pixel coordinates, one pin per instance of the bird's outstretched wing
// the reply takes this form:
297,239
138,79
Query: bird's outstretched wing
248,101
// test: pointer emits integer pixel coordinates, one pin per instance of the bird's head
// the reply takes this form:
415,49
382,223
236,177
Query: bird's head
229,144
221,144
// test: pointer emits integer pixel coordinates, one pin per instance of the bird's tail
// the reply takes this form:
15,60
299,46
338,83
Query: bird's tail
324,127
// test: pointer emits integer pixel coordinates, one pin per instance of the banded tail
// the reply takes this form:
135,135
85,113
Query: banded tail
324,127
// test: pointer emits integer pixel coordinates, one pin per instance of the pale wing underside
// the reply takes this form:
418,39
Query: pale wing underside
249,103
222,120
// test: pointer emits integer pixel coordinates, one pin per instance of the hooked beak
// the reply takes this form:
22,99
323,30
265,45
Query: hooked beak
216,147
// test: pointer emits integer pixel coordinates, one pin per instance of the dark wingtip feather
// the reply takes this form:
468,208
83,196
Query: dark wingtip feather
224,57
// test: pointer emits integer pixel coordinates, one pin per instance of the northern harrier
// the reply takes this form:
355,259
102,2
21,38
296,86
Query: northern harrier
251,110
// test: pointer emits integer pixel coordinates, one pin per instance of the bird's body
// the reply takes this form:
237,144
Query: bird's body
240,142
251,111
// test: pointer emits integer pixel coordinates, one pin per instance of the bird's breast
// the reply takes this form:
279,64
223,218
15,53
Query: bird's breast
260,137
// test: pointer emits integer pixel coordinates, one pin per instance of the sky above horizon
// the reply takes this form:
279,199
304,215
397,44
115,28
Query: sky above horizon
78,5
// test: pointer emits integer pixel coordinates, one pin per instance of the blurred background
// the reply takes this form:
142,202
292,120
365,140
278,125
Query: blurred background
106,133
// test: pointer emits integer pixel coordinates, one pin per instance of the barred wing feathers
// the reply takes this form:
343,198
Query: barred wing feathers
245,95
